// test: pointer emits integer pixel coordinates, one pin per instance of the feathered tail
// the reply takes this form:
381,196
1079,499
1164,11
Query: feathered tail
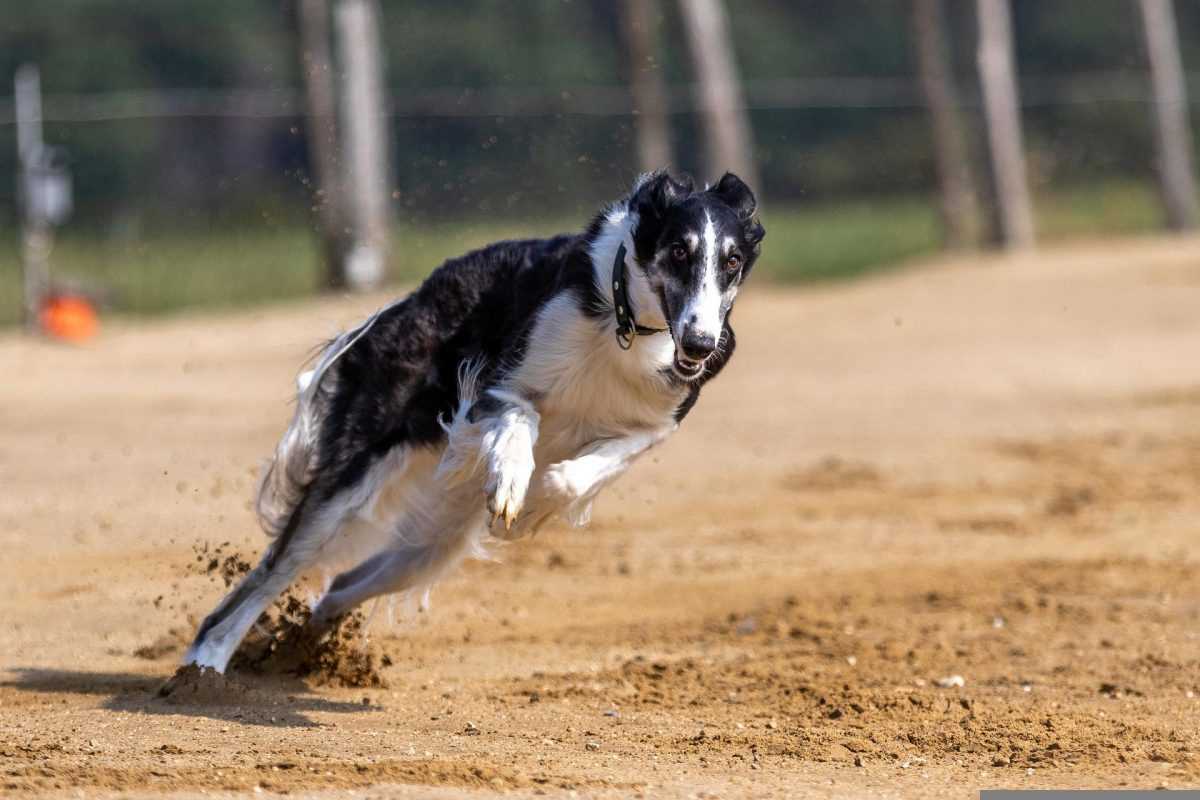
287,476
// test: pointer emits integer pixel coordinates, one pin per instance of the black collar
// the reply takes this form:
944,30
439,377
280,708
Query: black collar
627,327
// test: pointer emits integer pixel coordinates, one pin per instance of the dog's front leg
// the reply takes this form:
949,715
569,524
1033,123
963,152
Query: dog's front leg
511,430
574,483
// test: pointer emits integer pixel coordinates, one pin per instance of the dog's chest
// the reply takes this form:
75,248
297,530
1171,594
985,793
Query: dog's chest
586,386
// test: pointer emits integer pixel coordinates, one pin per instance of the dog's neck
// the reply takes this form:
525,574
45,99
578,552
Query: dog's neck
617,229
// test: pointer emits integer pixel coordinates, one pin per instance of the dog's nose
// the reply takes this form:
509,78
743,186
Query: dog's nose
697,345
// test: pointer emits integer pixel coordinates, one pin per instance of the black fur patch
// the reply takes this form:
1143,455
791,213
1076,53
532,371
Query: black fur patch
401,377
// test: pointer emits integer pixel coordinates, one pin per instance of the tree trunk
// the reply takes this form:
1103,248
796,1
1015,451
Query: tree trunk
998,77
936,80
726,123
1176,177
368,176
316,67
639,25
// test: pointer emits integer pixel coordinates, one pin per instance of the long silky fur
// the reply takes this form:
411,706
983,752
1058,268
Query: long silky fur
463,455
288,474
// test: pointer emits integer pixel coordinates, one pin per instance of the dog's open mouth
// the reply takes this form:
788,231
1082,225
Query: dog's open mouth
686,368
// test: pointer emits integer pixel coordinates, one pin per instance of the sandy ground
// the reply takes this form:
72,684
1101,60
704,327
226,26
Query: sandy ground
986,470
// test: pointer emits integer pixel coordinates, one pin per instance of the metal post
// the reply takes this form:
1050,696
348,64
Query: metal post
998,76
35,229
1176,175
368,175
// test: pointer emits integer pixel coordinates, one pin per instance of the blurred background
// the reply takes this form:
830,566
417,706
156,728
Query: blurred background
233,152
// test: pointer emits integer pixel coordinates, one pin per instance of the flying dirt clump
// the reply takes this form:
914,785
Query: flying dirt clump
281,643
171,642
216,562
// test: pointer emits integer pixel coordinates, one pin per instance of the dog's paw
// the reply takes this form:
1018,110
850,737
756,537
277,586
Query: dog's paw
209,654
509,470
572,487
564,482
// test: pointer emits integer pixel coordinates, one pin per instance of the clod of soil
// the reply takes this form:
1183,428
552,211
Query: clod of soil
203,686
283,644
216,562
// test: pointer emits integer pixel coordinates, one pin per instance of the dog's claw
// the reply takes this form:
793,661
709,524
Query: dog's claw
507,484
506,511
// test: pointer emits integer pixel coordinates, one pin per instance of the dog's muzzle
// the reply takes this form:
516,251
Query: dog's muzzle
692,348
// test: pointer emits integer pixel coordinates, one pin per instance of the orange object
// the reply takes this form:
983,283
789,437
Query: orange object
69,317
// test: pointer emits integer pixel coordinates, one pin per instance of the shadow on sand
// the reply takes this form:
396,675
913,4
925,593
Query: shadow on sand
244,699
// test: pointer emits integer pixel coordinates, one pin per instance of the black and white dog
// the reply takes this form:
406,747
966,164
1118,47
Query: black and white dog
512,386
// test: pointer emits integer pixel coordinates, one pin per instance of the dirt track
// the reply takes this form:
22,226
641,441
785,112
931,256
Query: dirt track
985,470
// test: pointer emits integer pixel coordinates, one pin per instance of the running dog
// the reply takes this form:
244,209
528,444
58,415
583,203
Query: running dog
516,383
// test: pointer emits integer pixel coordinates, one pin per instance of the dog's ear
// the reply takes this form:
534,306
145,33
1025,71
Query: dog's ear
734,193
653,196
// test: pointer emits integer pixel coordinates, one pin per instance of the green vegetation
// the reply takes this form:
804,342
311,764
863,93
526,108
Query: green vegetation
844,241
166,272
1106,209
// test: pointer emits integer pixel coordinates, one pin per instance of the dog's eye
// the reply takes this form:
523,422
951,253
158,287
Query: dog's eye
679,253
733,262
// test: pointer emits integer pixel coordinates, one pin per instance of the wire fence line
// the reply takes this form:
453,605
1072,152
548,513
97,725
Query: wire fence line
781,94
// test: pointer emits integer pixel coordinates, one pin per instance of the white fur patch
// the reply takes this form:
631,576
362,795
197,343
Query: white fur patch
702,311
508,449
589,384
574,483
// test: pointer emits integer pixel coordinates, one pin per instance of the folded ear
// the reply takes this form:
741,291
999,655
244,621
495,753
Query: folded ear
653,196
656,192
734,192
737,195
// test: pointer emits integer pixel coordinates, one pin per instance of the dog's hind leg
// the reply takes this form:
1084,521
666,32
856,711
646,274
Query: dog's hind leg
289,555
432,537
307,537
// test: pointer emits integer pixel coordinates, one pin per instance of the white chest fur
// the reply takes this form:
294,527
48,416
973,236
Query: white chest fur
585,386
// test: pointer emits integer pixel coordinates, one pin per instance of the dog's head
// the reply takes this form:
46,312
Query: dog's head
696,248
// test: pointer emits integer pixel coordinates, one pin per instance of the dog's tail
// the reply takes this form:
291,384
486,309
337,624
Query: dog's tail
289,473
